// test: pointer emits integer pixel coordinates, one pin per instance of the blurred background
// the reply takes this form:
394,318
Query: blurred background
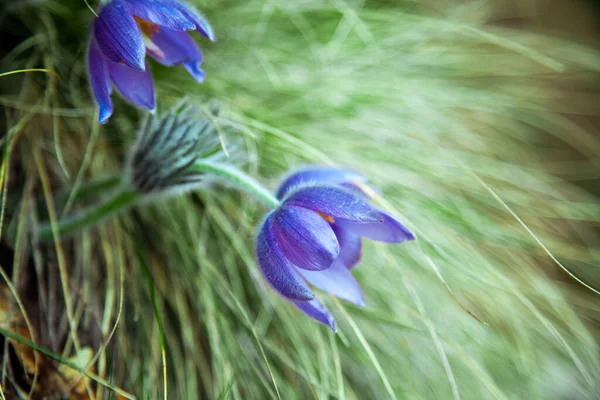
478,120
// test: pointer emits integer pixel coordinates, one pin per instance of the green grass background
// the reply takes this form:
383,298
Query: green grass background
471,131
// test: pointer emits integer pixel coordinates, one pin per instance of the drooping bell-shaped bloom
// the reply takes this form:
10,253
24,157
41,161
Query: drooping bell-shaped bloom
314,237
122,34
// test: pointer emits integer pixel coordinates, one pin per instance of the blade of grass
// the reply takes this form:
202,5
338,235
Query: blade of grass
20,71
11,335
150,283
367,348
60,255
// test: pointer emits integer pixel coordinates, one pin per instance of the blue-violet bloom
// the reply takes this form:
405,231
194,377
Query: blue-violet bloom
122,34
314,237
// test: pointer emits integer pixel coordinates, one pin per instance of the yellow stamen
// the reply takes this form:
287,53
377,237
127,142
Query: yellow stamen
327,218
148,28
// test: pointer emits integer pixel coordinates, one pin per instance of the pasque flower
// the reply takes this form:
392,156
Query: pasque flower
122,34
314,237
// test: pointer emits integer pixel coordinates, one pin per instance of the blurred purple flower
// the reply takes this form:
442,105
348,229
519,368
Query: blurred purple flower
122,34
314,237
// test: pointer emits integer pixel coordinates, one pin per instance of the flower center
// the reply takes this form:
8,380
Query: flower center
148,28
326,217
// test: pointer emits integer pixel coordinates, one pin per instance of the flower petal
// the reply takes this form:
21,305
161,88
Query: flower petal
135,85
317,311
194,69
176,47
363,189
389,229
276,269
305,238
336,280
160,13
118,35
100,81
317,175
201,24
350,246
334,202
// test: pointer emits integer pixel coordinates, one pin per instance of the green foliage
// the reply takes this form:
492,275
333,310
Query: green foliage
460,125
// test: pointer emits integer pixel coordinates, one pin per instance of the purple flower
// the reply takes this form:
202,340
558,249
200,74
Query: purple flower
122,34
314,237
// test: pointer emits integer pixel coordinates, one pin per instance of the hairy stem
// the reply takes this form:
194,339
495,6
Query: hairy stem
71,225
239,178
127,196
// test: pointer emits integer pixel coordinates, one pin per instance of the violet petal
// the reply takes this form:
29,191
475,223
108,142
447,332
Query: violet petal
317,311
317,175
176,47
100,81
305,238
350,246
195,71
334,202
118,35
201,24
389,229
160,13
135,85
276,269
338,281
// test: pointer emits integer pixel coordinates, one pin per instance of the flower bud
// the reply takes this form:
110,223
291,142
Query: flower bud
164,155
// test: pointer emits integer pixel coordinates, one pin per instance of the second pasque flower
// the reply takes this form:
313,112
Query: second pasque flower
124,32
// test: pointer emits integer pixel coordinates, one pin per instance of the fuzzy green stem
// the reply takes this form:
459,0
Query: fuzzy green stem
127,196
89,217
240,179
89,190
